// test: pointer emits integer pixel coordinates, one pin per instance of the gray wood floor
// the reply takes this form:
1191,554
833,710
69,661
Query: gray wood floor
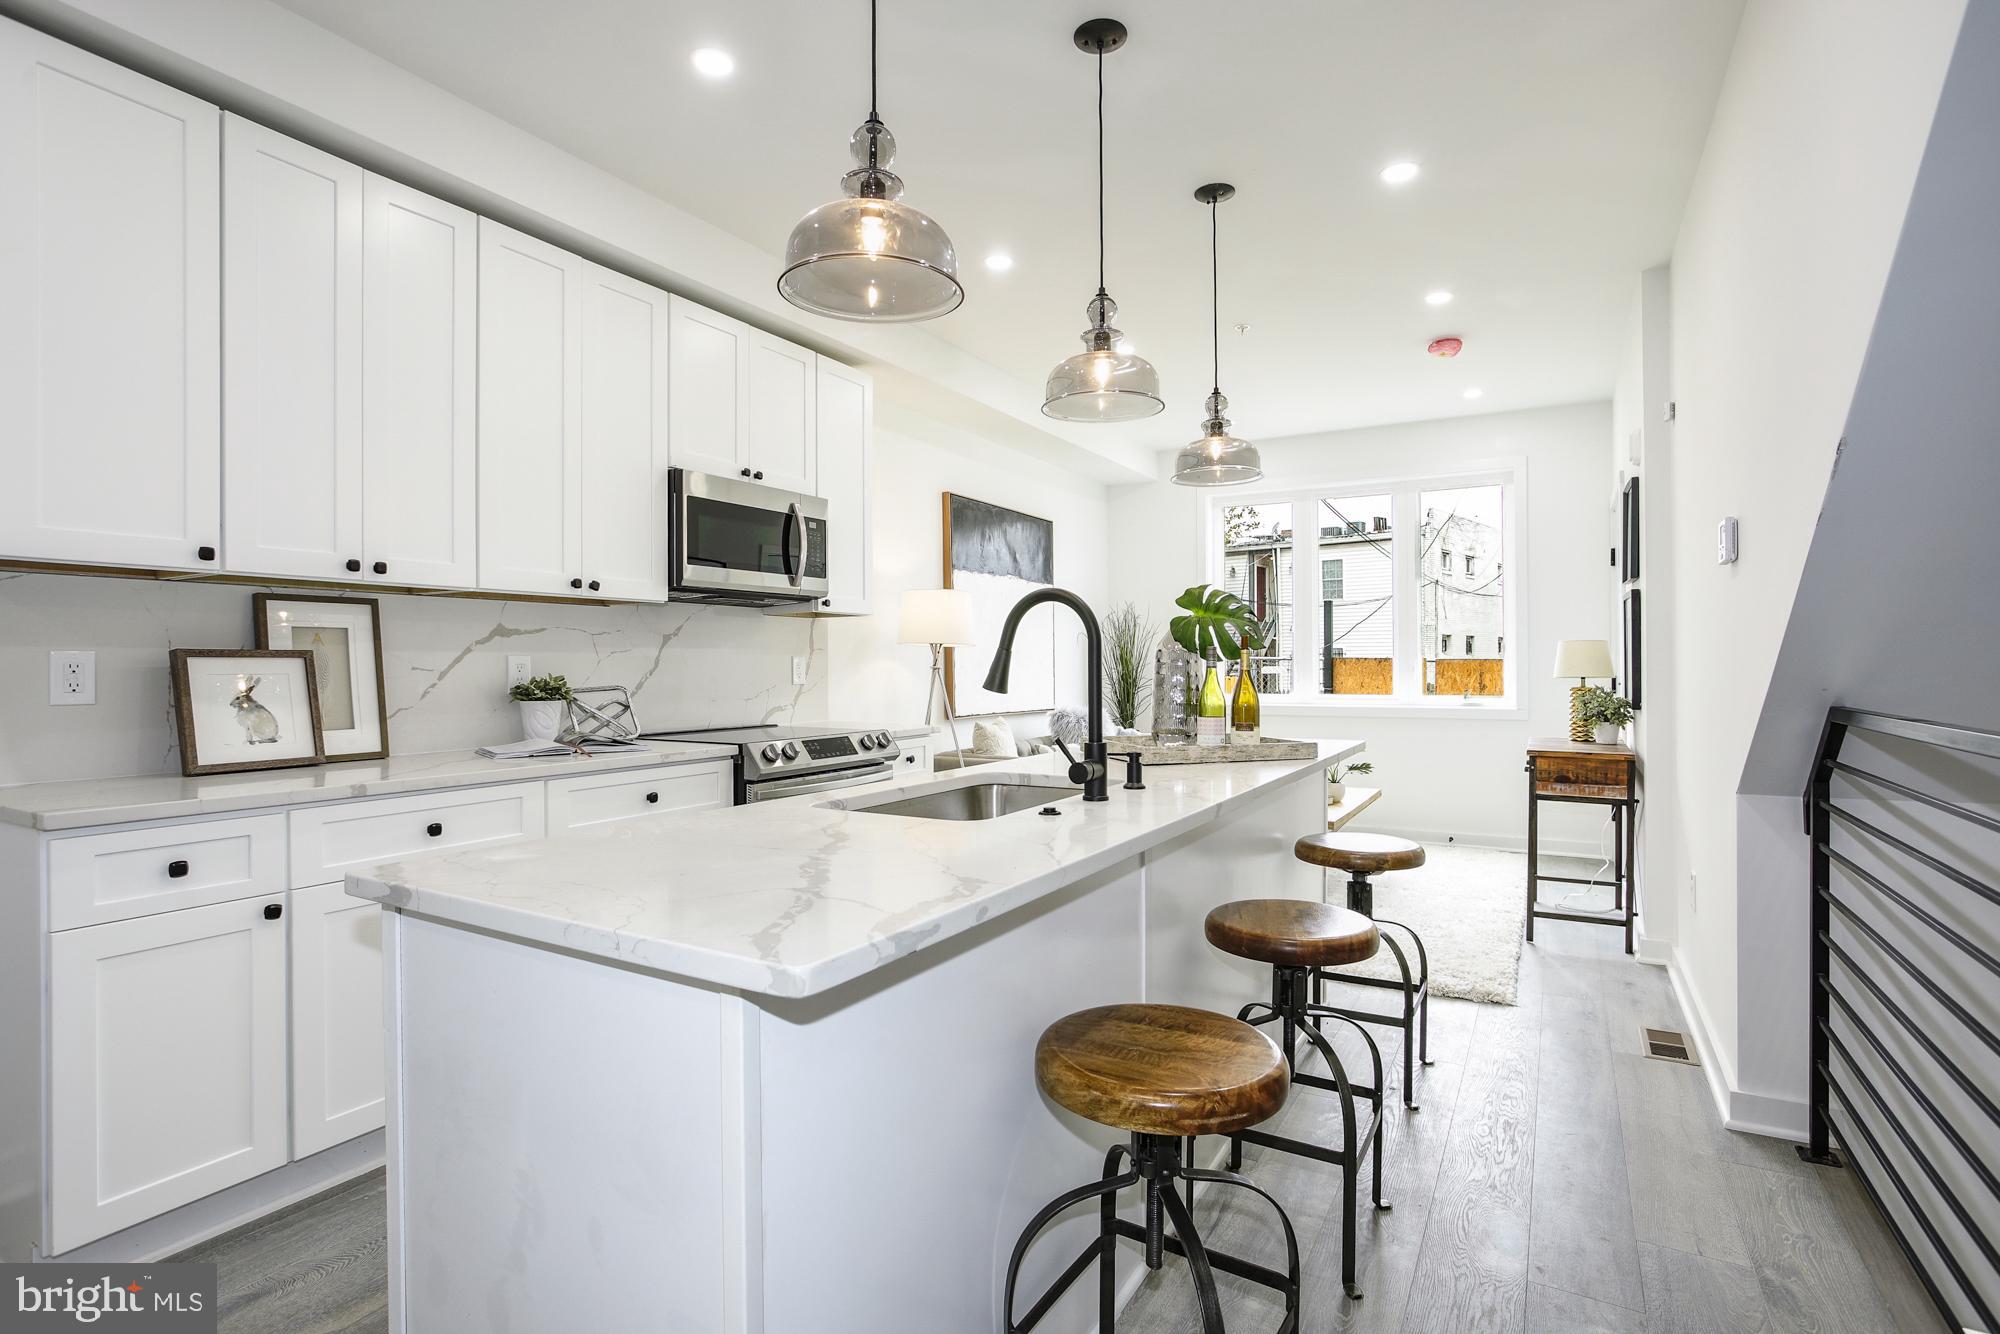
1556,1181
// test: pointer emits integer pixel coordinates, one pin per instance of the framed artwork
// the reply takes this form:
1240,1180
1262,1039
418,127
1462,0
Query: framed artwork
999,555
1634,657
239,709
344,636
1628,529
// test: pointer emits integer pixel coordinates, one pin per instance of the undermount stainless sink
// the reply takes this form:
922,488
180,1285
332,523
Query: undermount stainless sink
970,801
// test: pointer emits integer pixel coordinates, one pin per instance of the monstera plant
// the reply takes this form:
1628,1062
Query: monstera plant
1214,622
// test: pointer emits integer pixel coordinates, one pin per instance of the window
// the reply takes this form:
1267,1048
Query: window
1473,520
1357,621
1257,557
1411,600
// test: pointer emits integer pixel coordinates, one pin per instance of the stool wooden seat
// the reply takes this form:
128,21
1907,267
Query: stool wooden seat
1294,932
1161,1070
1359,854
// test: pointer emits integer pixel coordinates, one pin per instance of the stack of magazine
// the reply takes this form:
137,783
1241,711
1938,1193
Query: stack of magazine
569,743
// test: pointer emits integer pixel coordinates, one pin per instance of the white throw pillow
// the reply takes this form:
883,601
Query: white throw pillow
994,739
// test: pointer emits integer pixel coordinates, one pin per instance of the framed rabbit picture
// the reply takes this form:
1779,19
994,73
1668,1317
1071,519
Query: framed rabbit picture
238,709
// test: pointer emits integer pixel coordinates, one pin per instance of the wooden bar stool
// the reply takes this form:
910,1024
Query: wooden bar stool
1363,855
1163,1074
1297,937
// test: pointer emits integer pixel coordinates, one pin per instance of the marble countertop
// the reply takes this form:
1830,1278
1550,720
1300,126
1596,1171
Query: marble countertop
83,802
789,898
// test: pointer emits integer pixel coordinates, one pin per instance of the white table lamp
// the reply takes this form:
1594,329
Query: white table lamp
1585,660
940,617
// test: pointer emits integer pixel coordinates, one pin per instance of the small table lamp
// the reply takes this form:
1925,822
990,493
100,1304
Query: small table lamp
1583,659
940,617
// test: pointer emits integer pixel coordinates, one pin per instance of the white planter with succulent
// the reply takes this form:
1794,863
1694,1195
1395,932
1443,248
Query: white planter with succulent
1607,714
544,700
1336,779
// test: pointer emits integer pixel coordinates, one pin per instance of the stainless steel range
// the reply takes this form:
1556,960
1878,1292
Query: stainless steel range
794,760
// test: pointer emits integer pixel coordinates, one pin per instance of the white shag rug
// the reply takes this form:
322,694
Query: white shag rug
1469,905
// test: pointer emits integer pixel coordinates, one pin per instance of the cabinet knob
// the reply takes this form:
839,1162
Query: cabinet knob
653,798
354,567
826,602
381,567
175,870
746,472
273,911
576,583
594,585
758,475
434,829
204,553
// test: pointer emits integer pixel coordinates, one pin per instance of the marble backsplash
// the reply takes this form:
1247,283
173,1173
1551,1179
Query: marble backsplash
443,660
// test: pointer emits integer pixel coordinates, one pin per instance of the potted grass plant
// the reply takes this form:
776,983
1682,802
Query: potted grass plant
1127,639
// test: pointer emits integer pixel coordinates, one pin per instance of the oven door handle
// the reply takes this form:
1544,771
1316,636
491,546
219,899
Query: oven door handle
770,789
795,530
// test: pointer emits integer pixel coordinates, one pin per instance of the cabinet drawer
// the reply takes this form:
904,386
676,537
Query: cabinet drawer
137,872
329,841
596,799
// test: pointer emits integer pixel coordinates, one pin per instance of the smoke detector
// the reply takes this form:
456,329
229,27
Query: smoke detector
1445,347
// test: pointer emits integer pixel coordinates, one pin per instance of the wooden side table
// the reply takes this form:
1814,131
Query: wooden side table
1578,771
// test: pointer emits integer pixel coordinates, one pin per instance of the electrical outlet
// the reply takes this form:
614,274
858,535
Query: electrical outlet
798,671
72,676
519,669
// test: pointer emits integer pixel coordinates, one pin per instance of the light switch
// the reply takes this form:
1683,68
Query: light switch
1725,542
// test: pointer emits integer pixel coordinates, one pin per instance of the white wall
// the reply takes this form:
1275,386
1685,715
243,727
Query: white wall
1777,273
874,678
1459,775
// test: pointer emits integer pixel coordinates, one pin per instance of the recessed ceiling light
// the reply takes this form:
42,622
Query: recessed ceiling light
711,63
1399,173
1437,298
999,261
1475,393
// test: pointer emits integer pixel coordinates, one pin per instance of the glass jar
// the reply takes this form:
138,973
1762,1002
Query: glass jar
1174,684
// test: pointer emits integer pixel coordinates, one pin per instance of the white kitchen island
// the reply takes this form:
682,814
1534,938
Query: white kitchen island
769,1069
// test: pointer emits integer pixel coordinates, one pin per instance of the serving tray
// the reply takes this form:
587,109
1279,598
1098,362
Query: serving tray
1270,748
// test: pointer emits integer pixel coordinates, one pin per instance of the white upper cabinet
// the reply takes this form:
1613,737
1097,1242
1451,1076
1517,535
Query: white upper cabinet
625,422
783,387
845,415
291,356
419,350
530,413
110,308
711,391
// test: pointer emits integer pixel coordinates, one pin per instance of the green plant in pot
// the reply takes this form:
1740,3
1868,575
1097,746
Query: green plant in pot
1337,776
1607,713
544,701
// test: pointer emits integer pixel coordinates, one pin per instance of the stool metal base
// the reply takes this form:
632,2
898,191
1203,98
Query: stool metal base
1298,1017
1415,1020
1156,1164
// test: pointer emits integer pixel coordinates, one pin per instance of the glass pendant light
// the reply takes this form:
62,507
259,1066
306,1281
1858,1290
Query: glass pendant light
1101,383
869,256
1218,458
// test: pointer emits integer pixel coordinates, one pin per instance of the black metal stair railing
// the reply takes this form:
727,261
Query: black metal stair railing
1915,1140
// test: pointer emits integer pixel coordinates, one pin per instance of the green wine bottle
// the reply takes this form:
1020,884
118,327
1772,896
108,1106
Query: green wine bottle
1211,723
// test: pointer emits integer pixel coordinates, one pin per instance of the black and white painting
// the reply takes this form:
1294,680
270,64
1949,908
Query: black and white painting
998,555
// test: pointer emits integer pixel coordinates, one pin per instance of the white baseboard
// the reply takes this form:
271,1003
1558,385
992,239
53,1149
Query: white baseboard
1551,847
212,1215
1751,1113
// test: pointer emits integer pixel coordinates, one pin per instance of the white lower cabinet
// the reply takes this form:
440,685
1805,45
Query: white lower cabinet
166,1063
579,803
336,986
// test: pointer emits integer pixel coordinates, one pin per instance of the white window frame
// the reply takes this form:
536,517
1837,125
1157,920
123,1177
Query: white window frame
1405,513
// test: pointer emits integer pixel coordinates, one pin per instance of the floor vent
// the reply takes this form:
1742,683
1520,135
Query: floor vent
1663,1044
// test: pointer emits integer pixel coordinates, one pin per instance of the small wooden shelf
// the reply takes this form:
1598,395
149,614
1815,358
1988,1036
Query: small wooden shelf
1357,800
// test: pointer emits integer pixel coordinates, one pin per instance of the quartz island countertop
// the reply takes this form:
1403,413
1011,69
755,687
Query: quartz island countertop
789,898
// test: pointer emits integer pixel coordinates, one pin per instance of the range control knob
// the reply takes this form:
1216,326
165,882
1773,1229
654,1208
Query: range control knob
867,742
791,750
770,754
882,740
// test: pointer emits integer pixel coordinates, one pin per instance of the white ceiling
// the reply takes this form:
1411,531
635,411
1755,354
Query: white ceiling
1558,139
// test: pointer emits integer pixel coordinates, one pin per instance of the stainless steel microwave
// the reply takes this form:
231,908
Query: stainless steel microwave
744,544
